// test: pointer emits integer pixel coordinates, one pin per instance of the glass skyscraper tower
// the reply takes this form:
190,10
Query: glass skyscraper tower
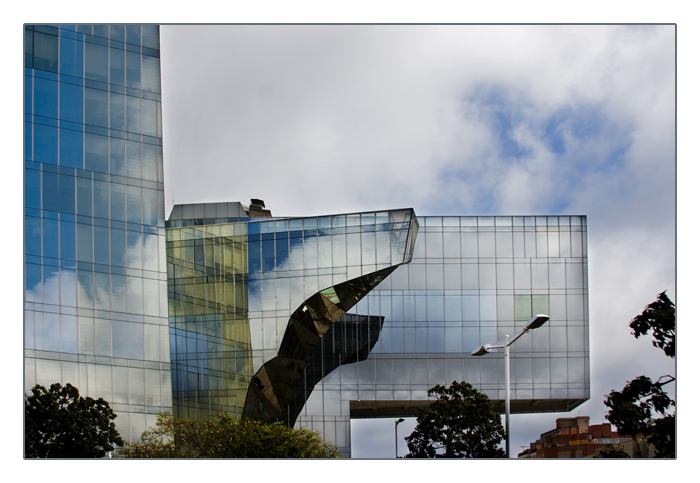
95,274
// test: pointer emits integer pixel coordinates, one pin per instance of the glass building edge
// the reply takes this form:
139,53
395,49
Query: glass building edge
84,296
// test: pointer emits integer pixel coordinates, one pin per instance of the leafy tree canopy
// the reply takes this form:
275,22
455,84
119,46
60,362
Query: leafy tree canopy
60,423
643,407
460,423
225,437
660,318
611,452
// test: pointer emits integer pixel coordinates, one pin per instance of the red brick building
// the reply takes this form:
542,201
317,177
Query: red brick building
573,438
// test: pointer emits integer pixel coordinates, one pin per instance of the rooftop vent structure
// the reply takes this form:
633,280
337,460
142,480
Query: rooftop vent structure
257,209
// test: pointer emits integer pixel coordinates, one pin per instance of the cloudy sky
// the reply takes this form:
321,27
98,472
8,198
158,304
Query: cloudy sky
449,120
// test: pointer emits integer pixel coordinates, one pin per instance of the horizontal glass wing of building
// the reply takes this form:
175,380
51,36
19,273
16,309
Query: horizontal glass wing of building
471,281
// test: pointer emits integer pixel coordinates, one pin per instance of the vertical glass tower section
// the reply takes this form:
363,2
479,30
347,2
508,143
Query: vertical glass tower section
95,272
210,339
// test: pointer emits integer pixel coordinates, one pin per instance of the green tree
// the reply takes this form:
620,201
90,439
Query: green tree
60,423
643,407
460,423
660,318
611,451
225,437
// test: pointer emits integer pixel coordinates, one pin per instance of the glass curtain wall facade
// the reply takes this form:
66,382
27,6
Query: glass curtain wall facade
259,307
94,252
471,281
310,321
240,289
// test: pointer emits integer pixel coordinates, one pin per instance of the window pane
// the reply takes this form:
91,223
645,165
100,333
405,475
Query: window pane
487,276
117,116
85,282
96,153
96,64
150,205
84,194
71,57
117,149
133,159
133,34
451,242
71,103
101,244
470,276
504,276
487,307
134,297
487,244
504,244
435,276
96,107
523,307
133,69
50,238
149,117
45,98
116,67
149,162
433,245
117,204
69,334
101,198
45,144
67,240
133,204
71,150
133,114
127,340
45,52
28,48
32,235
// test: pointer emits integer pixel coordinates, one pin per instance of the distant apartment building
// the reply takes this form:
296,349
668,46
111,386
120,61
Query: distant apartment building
573,438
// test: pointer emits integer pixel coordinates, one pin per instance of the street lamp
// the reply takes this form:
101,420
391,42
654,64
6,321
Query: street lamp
533,323
396,434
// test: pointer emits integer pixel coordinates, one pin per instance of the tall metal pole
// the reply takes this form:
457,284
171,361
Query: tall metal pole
396,439
507,350
396,435
534,323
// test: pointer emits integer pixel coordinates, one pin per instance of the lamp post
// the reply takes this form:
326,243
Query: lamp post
396,434
533,323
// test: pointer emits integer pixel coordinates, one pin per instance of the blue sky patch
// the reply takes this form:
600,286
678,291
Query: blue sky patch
494,106
579,122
